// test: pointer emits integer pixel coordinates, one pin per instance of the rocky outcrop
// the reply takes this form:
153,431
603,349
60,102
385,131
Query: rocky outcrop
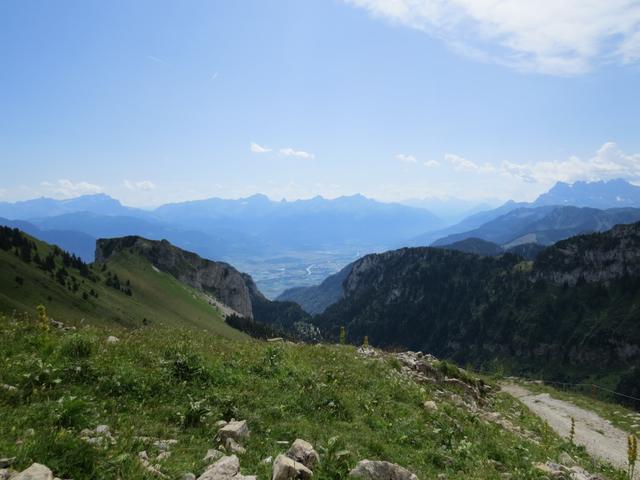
218,279
303,452
225,469
598,257
285,468
379,470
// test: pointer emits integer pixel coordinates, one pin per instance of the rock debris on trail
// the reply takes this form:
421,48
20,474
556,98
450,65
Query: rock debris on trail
601,439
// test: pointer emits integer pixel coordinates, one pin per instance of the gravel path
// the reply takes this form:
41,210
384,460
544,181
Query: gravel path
601,439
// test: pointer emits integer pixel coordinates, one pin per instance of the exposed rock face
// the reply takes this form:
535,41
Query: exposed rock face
599,257
377,470
218,279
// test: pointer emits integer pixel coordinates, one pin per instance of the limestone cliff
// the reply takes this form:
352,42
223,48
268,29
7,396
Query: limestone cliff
218,279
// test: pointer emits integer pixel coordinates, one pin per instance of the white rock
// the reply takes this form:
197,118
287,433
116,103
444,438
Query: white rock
35,472
164,444
112,339
238,430
430,406
234,447
7,473
284,468
378,470
226,467
213,455
303,452
565,459
163,456
102,429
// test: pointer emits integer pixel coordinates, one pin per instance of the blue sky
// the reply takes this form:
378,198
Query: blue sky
157,101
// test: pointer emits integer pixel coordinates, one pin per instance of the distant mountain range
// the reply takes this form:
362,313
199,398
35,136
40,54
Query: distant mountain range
545,225
246,225
613,194
298,243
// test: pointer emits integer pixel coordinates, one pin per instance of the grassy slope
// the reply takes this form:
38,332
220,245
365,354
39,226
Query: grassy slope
158,297
150,381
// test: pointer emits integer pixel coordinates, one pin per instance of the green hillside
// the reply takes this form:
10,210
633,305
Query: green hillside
571,315
31,273
159,383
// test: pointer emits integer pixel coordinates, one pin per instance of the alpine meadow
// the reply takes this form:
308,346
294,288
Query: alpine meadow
330,239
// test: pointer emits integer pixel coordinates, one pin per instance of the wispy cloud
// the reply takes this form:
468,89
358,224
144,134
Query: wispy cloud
462,164
402,157
290,152
431,163
567,37
144,185
156,59
255,148
609,162
66,188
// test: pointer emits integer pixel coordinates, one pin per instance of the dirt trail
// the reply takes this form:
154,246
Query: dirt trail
601,439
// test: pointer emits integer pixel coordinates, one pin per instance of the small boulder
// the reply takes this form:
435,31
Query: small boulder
226,467
35,472
163,456
234,447
164,445
379,470
430,406
212,456
566,460
238,430
188,476
102,429
303,452
7,462
285,468
112,339
7,473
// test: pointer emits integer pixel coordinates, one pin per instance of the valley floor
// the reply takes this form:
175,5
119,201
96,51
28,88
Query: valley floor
601,439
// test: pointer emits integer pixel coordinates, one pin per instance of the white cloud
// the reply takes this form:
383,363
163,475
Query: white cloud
565,37
255,148
608,163
290,152
144,185
67,189
461,164
431,163
401,157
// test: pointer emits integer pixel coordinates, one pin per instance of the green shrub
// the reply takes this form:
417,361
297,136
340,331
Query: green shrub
77,346
70,412
195,414
184,365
